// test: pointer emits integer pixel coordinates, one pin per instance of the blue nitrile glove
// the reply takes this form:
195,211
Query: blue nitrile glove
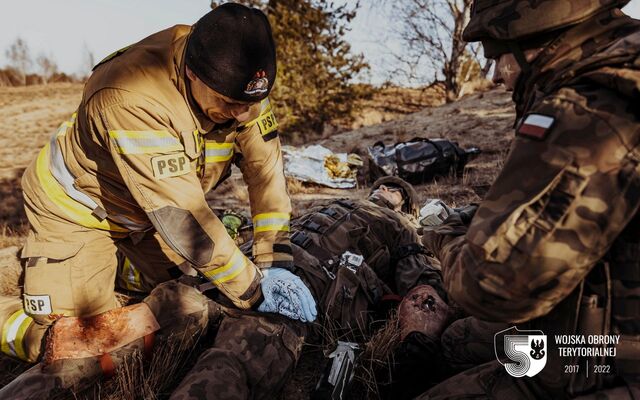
286,294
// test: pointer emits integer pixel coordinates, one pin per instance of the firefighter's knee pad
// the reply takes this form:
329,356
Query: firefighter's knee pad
179,309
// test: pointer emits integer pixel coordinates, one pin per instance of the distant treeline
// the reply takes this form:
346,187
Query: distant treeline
24,70
11,77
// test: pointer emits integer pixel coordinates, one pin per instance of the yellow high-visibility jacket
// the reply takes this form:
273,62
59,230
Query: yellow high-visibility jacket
140,155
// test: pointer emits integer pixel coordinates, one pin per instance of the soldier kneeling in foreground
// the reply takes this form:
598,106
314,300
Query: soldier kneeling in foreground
555,245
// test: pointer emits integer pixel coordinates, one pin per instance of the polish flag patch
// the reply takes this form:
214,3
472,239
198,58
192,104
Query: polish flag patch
536,126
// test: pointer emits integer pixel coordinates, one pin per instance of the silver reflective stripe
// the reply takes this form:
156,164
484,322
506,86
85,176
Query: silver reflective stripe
63,175
265,105
217,155
12,333
132,275
147,145
276,222
218,152
232,268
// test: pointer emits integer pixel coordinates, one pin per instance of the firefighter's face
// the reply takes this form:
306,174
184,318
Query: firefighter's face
218,108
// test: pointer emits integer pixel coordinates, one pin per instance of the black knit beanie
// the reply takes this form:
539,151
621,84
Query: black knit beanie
231,50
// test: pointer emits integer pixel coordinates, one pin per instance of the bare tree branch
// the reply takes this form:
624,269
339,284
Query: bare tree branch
431,31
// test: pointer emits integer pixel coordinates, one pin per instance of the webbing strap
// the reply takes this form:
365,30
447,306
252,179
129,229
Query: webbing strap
409,250
302,240
313,226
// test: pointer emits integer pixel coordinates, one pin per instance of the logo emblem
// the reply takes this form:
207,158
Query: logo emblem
527,350
258,85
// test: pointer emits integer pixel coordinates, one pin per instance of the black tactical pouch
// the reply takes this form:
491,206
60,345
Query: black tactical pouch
418,160
351,296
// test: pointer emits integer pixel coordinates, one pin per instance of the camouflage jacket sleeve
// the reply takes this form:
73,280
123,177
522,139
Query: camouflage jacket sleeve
413,266
563,196
263,171
151,159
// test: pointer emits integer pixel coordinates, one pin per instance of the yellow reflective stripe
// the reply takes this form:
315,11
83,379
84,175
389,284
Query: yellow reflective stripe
140,142
265,107
77,212
13,334
218,152
230,270
62,129
131,276
274,221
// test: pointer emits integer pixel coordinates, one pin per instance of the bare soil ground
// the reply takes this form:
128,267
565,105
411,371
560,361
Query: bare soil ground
28,116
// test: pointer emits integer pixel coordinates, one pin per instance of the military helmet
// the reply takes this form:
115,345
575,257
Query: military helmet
518,20
411,204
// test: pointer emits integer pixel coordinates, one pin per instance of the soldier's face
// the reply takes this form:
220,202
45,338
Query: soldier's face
218,108
507,71
391,194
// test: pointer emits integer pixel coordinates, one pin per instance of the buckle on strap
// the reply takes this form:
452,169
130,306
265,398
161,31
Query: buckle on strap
329,212
312,226
99,213
409,250
299,238
346,203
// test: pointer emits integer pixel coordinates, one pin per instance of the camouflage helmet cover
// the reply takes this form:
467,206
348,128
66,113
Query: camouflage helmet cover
411,204
522,19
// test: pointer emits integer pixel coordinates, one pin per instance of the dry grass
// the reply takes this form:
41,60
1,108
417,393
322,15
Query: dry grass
10,271
375,363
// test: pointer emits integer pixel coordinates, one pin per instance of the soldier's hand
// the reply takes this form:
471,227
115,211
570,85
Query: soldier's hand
286,294
434,237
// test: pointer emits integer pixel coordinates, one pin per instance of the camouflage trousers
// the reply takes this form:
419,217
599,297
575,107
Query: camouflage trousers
468,342
252,357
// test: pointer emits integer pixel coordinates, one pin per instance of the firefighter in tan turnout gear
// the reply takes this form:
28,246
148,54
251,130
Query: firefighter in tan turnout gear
160,124
555,246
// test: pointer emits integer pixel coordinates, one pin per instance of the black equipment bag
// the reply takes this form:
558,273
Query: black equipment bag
418,160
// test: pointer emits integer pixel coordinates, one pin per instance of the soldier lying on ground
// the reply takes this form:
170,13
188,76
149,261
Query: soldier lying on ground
347,292
555,245
253,354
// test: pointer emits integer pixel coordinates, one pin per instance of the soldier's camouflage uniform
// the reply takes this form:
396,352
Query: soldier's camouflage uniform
253,354
130,171
556,243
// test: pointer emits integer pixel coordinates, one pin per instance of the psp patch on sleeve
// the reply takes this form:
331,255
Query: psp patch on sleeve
536,126
37,305
268,126
170,165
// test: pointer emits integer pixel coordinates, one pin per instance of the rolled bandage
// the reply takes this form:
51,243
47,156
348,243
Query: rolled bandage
434,212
